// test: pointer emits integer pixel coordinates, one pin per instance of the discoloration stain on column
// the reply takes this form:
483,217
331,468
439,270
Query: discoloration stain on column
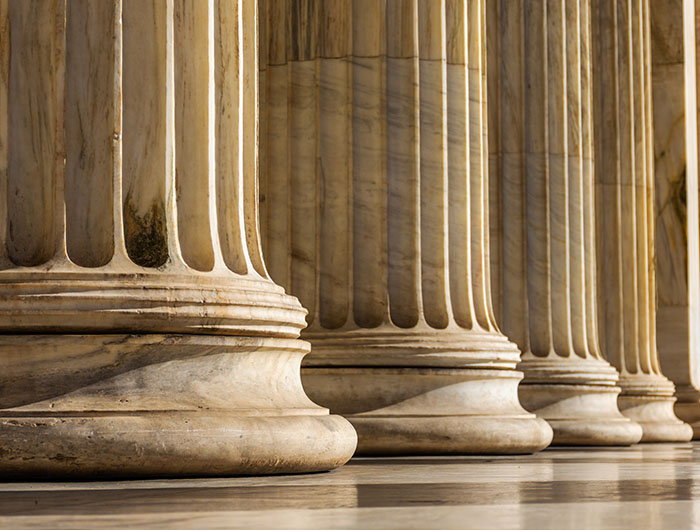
146,236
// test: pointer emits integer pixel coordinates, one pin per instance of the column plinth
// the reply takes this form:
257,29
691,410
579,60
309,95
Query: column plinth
543,207
376,123
141,334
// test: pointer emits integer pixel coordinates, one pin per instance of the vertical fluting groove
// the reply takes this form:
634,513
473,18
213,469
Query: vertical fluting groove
370,307
495,117
304,155
263,122
588,169
335,137
625,185
59,162
458,159
194,167
628,181
650,188
433,163
249,149
4,124
640,362
538,273
147,143
228,135
213,180
117,210
576,192
36,148
174,250
485,215
402,163
644,361
278,176
475,163
609,123
89,126
510,101
557,151
648,349
478,154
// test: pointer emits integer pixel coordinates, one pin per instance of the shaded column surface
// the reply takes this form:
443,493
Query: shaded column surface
141,334
625,216
673,51
375,210
541,125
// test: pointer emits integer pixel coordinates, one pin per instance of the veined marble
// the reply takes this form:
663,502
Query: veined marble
543,203
673,51
624,215
375,208
141,333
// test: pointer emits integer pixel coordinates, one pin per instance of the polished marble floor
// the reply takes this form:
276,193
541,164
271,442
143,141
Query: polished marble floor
642,487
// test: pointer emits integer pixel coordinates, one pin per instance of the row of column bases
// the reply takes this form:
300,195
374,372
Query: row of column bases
488,211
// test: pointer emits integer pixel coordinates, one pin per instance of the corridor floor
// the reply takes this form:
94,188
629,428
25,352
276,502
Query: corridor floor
645,486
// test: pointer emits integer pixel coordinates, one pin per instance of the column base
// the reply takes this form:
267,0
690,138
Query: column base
689,412
170,444
403,411
687,407
648,400
580,414
578,398
97,406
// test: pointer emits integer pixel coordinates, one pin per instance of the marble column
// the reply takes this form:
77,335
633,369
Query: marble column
376,213
673,52
543,202
141,334
625,216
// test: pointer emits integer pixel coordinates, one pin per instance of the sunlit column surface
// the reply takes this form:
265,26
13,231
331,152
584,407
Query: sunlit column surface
673,51
625,215
141,334
544,209
375,214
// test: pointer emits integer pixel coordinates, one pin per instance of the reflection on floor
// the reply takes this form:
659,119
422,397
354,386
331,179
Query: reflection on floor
646,486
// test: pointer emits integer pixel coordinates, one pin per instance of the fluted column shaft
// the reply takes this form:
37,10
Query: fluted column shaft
376,207
133,292
625,216
675,102
544,201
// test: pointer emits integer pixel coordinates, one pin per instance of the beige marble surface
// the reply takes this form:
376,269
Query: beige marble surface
647,486
375,209
543,205
625,215
673,51
141,331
